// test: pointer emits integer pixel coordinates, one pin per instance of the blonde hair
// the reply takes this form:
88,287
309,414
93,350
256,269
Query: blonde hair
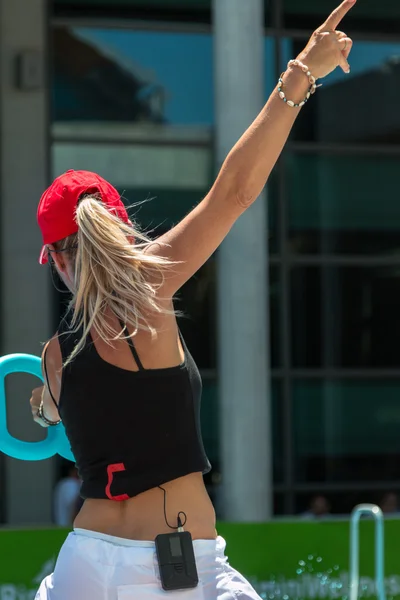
112,272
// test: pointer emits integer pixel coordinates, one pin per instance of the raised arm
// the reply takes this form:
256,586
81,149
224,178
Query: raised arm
249,164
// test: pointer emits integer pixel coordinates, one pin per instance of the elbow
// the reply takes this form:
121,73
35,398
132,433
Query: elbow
241,185
244,197
246,186
246,192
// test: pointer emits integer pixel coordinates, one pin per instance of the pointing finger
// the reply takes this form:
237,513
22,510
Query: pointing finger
338,14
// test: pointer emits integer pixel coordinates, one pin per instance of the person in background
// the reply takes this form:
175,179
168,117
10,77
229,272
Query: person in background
319,507
389,504
66,498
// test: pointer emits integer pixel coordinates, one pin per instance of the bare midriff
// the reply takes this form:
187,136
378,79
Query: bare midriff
142,517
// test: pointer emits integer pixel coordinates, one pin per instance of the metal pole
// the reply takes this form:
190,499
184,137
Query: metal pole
375,512
243,312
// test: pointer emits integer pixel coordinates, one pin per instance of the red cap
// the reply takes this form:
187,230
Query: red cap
57,206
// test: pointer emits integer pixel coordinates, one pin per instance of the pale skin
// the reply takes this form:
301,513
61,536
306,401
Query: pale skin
239,183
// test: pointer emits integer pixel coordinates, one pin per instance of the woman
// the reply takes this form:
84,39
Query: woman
119,375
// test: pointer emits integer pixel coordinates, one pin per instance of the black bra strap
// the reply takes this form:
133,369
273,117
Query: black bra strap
47,378
133,349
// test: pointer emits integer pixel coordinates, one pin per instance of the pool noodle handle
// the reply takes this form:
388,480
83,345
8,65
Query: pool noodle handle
56,441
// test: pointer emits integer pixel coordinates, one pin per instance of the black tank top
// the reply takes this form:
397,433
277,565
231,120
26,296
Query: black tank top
129,431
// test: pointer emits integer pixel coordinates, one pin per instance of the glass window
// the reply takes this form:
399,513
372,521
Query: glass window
193,11
342,204
164,181
146,78
275,304
346,430
151,3
274,203
365,16
197,301
194,4
279,505
314,505
374,66
210,427
142,77
278,464
342,503
345,316
271,73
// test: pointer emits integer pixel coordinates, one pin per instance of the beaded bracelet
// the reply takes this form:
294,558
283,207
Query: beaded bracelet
290,103
311,79
41,416
306,71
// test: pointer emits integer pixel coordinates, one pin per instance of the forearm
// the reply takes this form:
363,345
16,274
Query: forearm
250,162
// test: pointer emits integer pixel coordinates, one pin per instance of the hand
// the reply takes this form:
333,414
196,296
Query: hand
35,401
329,48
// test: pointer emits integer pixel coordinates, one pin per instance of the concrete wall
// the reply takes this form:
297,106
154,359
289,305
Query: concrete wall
25,292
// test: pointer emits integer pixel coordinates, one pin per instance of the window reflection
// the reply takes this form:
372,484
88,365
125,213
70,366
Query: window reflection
383,16
211,436
132,76
275,307
345,317
343,433
274,212
342,503
210,425
193,12
277,433
140,77
197,302
141,167
343,204
347,109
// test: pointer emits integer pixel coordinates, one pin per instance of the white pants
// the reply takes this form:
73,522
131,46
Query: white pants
93,566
